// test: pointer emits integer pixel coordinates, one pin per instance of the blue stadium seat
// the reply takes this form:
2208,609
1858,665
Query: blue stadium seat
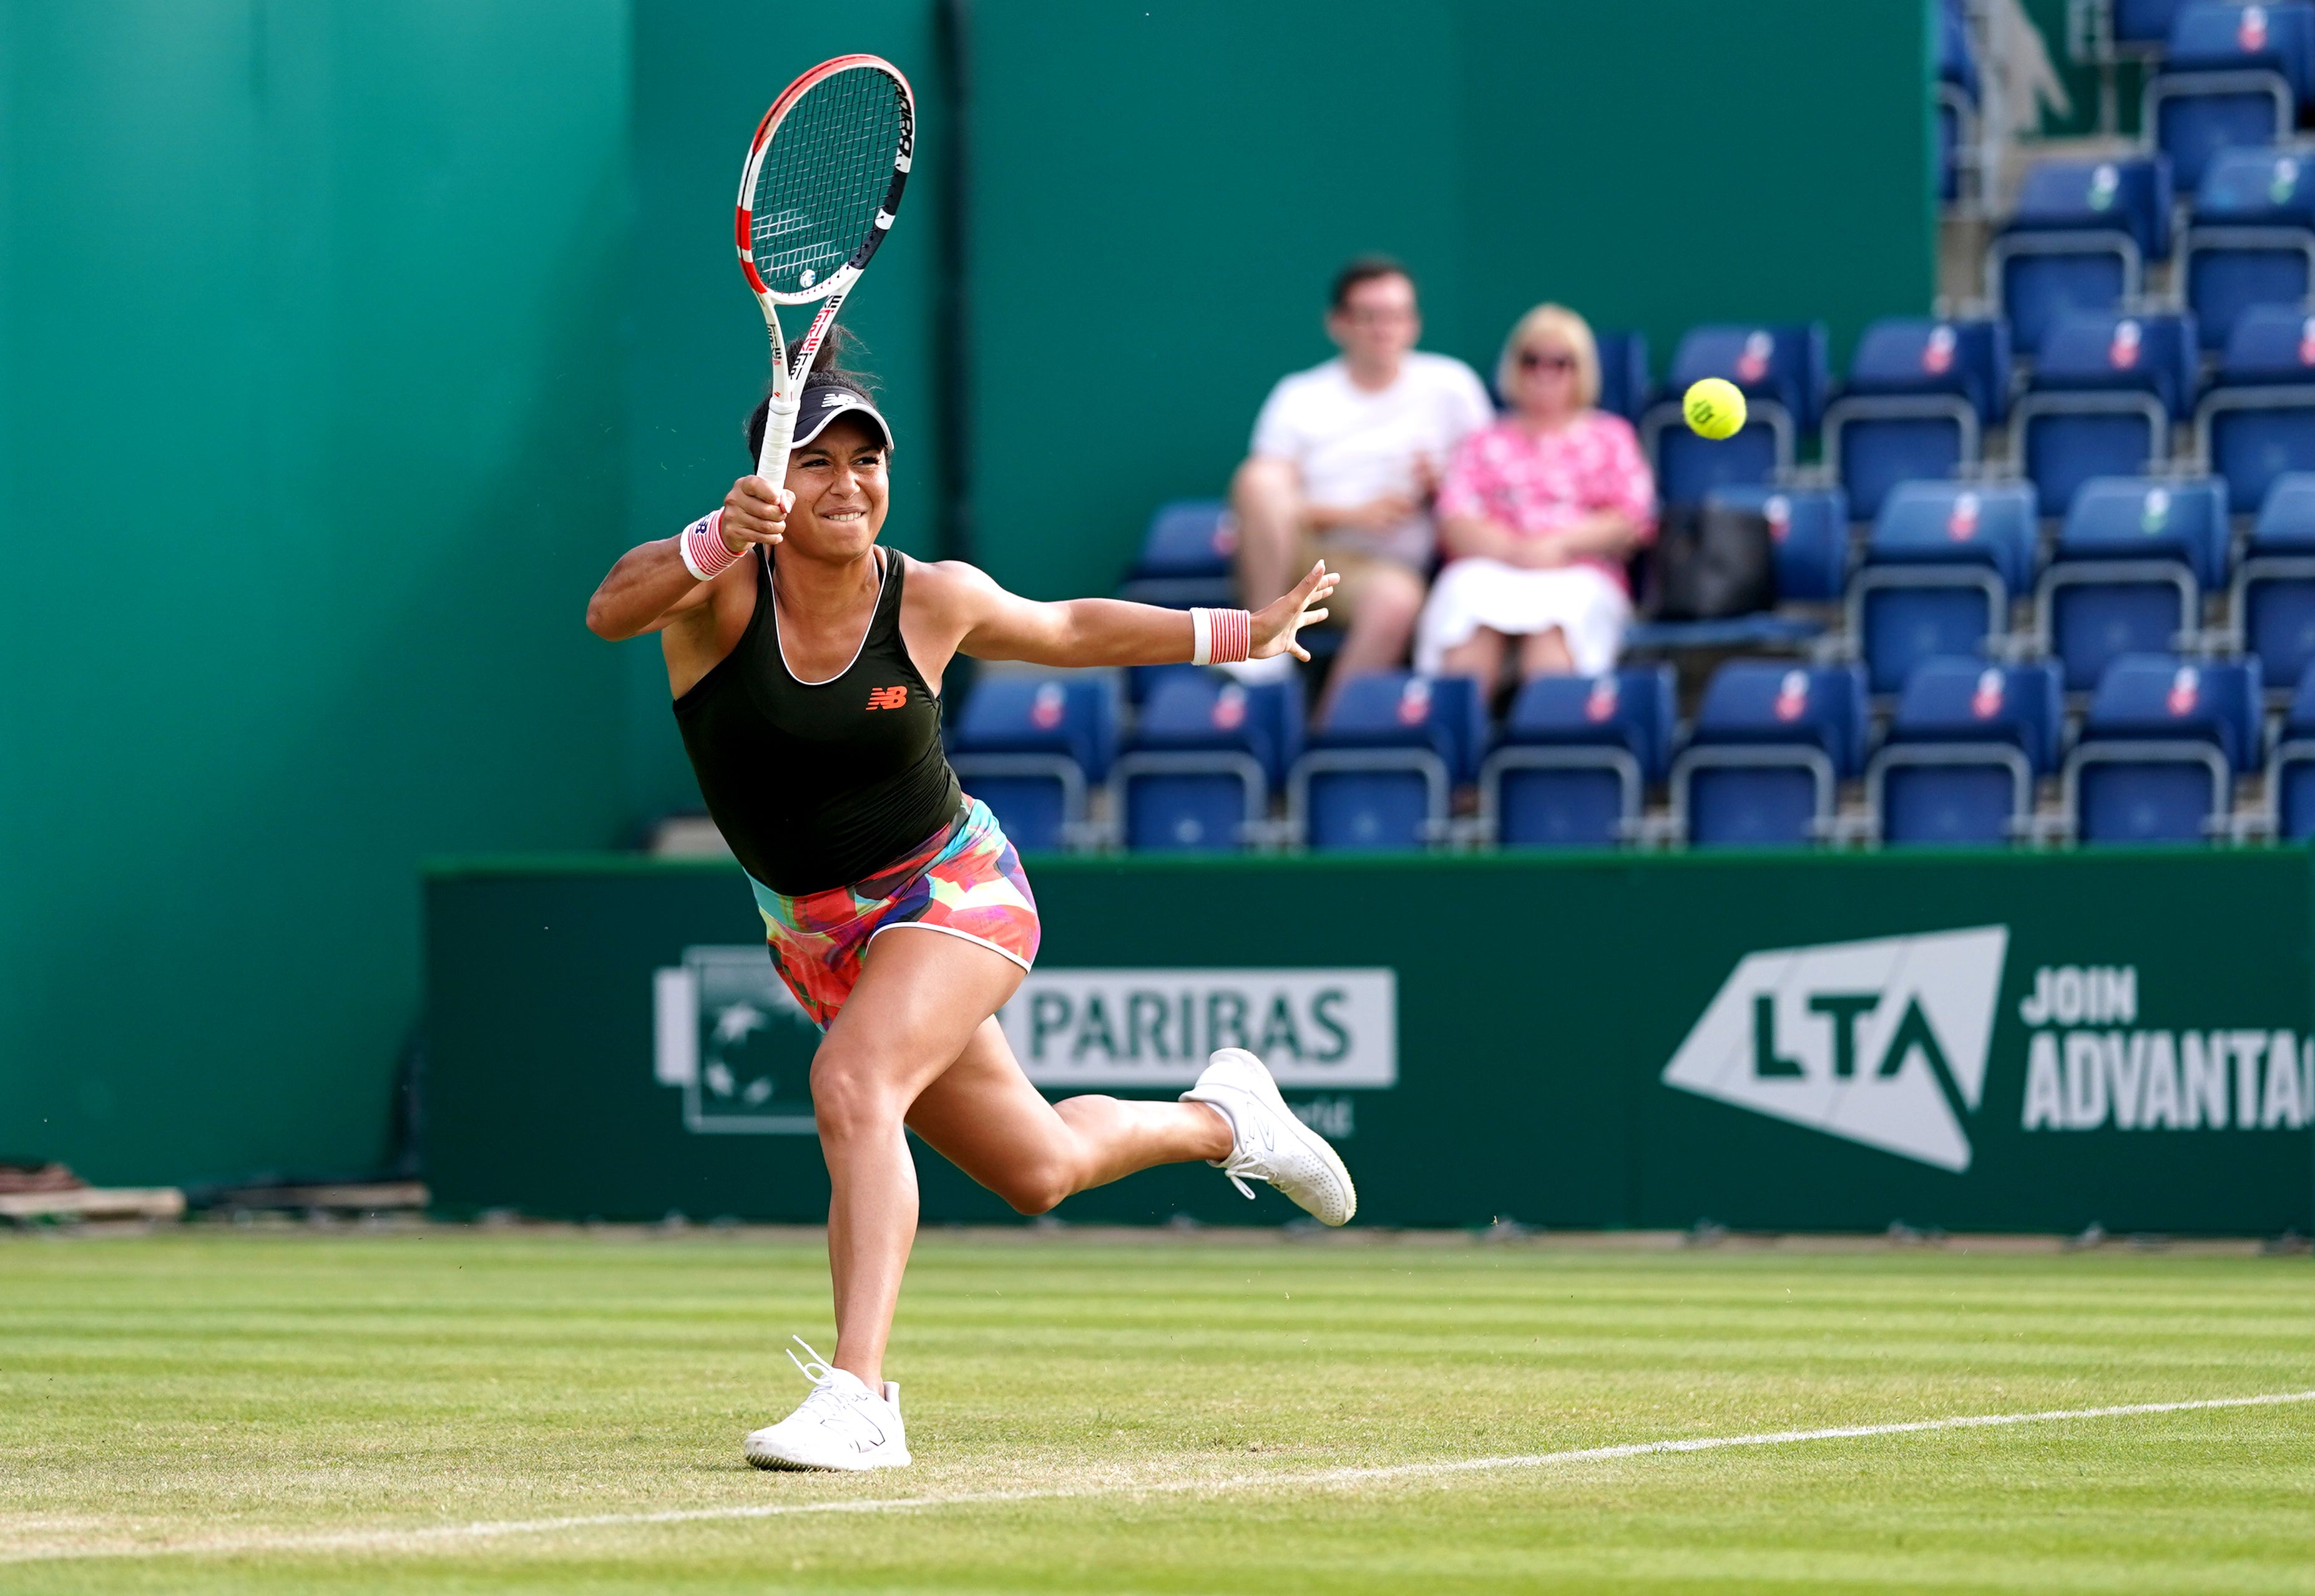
2291,770
2278,36
1185,556
2104,394
2273,603
1951,128
1920,394
1028,746
2233,75
1771,745
1575,756
1781,370
2252,241
2129,570
1941,566
1809,527
1379,773
2079,240
2257,420
1959,101
1623,374
2159,747
1197,771
2144,21
1966,742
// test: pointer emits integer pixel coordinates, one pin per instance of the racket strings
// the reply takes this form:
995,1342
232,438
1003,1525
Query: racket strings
824,178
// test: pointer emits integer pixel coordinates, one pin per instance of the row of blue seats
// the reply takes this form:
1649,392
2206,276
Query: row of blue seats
2084,231
2226,74
2127,572
2156,757
2143,29
2109,393
1206,753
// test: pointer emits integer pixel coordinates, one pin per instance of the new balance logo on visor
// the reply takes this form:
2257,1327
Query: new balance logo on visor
888,697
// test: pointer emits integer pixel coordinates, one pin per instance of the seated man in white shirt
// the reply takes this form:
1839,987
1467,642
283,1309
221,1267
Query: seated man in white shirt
1345,457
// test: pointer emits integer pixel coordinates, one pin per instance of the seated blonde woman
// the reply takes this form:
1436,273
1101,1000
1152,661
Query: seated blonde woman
1537,514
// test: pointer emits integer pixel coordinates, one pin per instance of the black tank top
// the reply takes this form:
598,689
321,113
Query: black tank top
818,785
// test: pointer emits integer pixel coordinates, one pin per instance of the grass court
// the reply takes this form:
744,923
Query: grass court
214,1411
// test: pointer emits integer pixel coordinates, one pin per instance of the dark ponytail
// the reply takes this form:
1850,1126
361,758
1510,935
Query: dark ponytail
839,348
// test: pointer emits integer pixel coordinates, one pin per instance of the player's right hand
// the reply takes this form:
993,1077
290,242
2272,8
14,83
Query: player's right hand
755,511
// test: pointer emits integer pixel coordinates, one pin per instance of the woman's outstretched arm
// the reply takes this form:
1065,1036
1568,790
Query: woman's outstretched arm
991,623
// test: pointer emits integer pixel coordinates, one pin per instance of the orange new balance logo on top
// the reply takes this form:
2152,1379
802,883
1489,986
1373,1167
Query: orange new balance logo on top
888,699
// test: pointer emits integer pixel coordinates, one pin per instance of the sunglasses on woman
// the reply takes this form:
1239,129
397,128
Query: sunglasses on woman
1536,360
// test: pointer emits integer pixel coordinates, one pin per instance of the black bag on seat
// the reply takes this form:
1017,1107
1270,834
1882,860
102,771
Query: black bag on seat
1710,560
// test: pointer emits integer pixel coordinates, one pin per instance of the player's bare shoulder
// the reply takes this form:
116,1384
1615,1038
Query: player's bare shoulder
945,601
950,593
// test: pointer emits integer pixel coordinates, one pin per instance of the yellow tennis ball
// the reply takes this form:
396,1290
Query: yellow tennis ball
1714,408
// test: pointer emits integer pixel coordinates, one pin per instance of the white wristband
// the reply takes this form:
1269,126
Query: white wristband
1220,636
704,553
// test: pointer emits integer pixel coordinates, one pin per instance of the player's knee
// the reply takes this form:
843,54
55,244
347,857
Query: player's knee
1036,1188
846,1100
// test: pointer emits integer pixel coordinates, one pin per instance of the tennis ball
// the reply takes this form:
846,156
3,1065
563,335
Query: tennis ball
1714,408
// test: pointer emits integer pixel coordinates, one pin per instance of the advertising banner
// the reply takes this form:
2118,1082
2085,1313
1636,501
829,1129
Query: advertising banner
1965,1041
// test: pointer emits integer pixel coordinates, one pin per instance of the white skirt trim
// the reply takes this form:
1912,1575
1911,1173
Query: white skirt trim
1584,601
946,931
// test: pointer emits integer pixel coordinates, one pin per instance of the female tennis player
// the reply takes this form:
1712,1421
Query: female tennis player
806,666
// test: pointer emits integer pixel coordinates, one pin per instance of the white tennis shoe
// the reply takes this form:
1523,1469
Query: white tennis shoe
841,1425
1269,1143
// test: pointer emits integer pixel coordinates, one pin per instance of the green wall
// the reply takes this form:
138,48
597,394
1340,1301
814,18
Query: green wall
343,344
309,455
1161,188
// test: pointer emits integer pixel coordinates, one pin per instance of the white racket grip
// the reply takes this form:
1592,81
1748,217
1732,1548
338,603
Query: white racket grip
779,431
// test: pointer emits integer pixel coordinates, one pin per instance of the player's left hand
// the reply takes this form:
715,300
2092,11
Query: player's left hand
1276,623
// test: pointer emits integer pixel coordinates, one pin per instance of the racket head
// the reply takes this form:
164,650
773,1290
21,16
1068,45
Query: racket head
823,179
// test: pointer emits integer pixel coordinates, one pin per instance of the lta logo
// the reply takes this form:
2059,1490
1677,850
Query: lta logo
1882,1042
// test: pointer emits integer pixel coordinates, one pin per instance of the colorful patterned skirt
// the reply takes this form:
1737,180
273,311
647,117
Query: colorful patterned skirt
964,880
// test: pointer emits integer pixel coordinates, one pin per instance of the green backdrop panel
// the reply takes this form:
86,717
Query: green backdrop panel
1161,190
309,404
1984,1041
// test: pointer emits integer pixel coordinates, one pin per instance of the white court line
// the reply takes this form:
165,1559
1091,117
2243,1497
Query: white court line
422,1535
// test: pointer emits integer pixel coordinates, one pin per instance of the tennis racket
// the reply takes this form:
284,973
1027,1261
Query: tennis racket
819,190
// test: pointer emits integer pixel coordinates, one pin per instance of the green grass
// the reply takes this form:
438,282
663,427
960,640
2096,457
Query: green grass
185,1412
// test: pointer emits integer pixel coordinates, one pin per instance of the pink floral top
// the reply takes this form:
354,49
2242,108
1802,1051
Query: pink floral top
1536,485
